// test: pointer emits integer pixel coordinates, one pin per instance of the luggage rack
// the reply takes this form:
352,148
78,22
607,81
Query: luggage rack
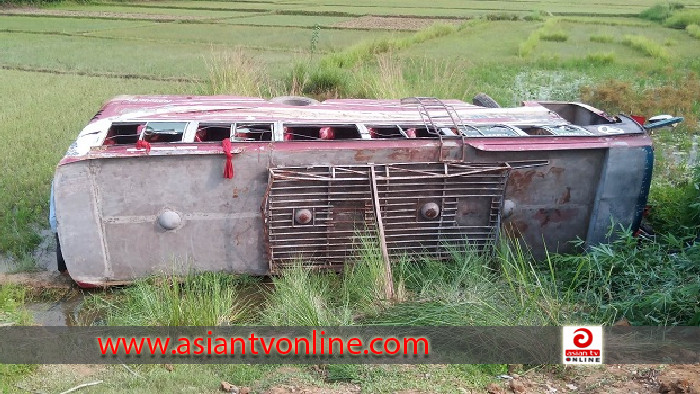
437,116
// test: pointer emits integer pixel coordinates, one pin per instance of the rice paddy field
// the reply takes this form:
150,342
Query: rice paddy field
59,61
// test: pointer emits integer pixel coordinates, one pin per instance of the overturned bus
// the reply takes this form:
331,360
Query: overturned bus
249,185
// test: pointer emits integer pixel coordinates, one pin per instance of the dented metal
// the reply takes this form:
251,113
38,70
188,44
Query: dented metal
418,176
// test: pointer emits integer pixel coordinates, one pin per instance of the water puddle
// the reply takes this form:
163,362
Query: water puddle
65,312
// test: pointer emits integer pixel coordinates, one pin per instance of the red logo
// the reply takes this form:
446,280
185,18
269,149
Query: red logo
584,339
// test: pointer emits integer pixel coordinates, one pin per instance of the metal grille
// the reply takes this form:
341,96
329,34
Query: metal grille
468,198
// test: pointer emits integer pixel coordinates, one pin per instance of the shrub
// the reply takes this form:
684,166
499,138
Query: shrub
693,30
681,19
602,38
678,96
660,12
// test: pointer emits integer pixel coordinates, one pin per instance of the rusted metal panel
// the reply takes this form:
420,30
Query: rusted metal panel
424,209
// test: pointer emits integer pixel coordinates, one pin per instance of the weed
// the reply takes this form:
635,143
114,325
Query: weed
693,30
646,46
314,39
602,38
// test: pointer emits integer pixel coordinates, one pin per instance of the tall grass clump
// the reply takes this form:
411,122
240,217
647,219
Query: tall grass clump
645,282
302,297
646,46
675,205
693,30
526,47
681,19
237,73
206,299
365,279
600,58
602,38
393,77
661,11
555,36
473,288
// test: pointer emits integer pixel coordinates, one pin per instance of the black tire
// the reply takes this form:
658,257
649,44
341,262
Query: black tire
483,100
60,262
296,101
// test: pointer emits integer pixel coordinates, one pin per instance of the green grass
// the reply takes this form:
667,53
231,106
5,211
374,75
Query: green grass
63,25
165,11
602,38
556,36
12,312
646,46
600,58
693,30
60,107
268,38
12,299
207,299
661,11
683,18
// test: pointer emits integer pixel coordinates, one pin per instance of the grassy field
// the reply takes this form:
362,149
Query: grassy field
59,63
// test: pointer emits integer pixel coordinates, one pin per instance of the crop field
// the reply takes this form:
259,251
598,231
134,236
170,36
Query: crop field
60,61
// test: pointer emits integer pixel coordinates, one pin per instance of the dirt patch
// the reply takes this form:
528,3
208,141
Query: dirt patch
40,280
393,23
613,379
98,14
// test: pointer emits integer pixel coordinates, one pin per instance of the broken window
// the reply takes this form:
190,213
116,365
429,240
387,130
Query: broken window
386,132
321,132
212,132
155,132
253,132
123,133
